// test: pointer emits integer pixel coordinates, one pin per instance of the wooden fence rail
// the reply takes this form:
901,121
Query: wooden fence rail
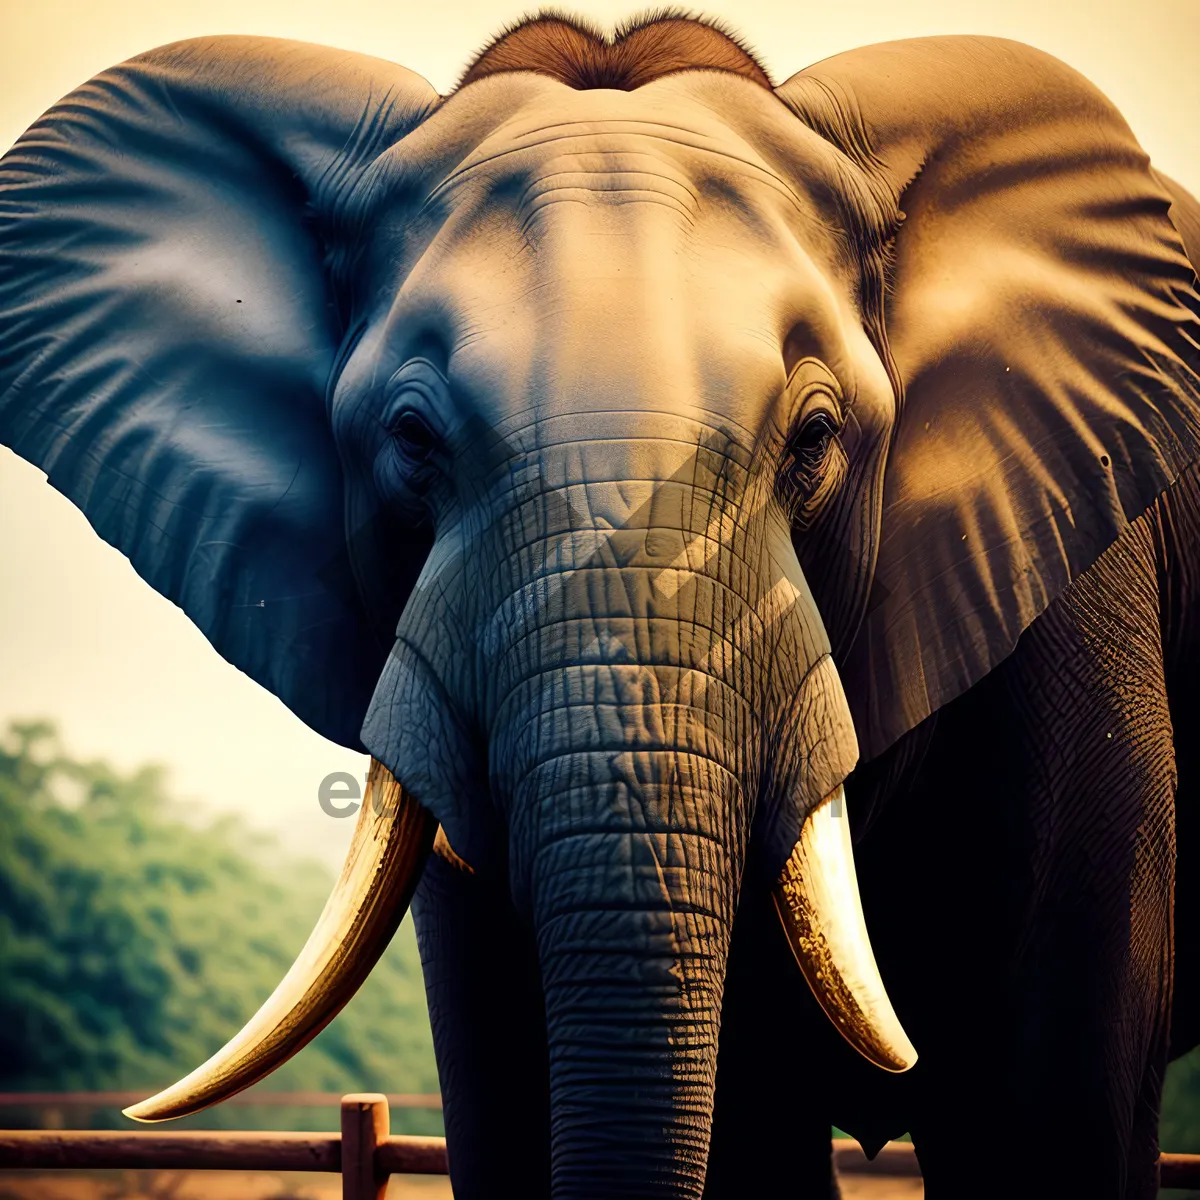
253,1096
365,1153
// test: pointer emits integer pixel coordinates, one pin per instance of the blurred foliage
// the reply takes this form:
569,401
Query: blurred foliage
134,939
1179,1126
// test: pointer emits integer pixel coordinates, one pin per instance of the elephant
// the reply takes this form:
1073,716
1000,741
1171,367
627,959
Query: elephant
733,517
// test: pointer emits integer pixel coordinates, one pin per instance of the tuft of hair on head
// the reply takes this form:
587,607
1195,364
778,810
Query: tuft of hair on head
582,56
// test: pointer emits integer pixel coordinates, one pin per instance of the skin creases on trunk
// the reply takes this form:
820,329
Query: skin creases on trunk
631,890
622,676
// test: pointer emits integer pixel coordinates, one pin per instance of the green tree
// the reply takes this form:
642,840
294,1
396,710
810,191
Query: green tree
134,941
1179,1127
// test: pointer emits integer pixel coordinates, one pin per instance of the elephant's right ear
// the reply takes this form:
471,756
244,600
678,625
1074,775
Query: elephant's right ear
1044,321
168,327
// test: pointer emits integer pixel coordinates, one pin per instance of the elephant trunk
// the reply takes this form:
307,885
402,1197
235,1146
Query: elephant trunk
631,890
629,680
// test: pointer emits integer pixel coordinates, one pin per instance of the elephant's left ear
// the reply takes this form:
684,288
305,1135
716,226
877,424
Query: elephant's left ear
169,321
1043,319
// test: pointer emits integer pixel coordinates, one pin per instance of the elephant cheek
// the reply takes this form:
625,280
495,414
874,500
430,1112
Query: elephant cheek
414,728
815,749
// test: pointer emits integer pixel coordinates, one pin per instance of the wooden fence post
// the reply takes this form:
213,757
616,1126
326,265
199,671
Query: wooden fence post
365,1123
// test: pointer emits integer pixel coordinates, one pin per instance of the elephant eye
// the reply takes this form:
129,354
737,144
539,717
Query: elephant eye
413,436
813,463
406,467
812,441
807,450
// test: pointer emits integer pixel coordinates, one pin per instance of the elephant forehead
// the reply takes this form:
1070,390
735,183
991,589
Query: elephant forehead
542,118
619,162
696,174
608,250
509,141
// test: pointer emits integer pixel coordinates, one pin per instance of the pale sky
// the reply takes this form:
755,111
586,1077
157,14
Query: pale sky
84,641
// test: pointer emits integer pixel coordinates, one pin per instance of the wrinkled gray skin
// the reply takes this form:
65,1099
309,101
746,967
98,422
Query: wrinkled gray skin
612,635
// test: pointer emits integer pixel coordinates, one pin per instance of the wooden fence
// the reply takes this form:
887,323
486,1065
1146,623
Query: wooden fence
61,1110
366,1153
259,1096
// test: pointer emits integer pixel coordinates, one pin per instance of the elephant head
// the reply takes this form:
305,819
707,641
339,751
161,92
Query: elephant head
617,449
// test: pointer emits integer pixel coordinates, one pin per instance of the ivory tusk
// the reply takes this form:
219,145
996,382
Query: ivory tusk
817,899
443,849
391,842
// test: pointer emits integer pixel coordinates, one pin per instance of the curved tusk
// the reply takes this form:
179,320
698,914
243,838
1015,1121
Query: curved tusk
391,842
817,899
443,849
